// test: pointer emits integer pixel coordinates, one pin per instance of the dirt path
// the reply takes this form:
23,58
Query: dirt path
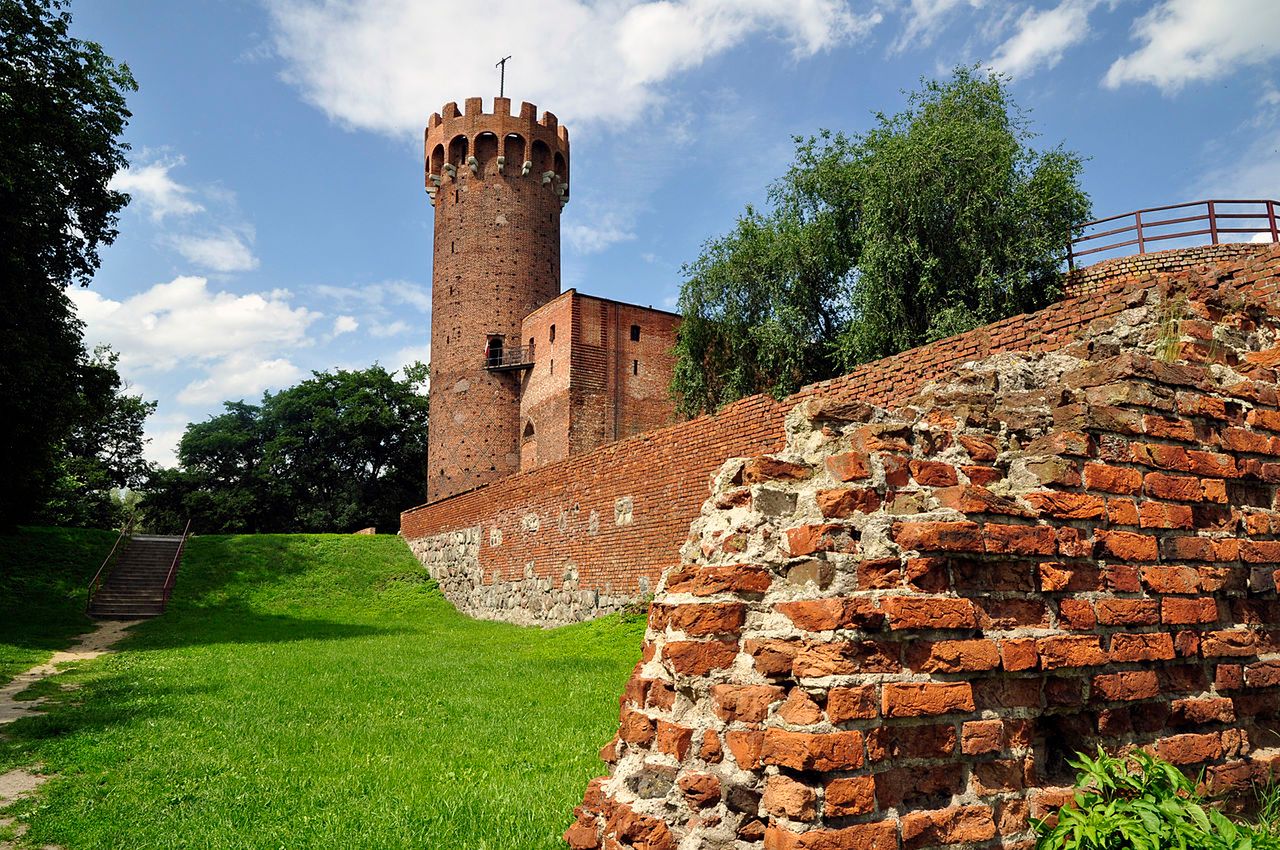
95,643
19,783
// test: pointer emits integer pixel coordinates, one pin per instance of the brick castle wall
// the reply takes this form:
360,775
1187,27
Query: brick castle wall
892,633
611,520
593,384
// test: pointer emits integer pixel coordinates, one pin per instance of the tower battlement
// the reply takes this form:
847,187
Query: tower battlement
483,145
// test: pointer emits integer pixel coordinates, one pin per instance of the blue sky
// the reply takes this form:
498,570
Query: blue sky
279,223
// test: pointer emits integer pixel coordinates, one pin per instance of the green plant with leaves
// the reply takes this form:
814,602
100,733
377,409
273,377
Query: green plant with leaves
1140,802
940,218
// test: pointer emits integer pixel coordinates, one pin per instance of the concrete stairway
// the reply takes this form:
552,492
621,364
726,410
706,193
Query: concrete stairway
135,588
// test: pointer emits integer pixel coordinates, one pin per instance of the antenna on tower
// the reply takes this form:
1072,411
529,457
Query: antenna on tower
502,75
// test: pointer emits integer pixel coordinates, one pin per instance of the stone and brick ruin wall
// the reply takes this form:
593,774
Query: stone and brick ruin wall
894,630
582,537
1101,274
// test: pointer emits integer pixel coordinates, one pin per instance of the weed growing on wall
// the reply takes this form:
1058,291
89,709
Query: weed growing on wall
1141,802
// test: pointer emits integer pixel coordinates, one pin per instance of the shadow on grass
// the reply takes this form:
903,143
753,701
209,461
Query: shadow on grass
113,700
235,622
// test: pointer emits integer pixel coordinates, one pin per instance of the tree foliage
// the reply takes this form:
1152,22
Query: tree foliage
337,452
939,219
101,453
62,110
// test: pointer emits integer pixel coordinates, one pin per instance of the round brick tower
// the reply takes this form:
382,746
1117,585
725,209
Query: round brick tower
498,183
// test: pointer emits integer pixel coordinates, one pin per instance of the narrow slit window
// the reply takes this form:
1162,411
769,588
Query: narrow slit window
635,333
552,335
635,367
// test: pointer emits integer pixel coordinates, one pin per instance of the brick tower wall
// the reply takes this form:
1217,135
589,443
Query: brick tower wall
582,537
496,259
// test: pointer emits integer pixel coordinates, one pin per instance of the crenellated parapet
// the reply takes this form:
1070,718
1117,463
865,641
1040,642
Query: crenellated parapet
478,145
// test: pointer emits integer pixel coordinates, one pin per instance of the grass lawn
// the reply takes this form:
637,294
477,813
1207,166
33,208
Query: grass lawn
314,691
44,573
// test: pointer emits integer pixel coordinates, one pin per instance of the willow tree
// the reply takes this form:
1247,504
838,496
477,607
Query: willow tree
938,219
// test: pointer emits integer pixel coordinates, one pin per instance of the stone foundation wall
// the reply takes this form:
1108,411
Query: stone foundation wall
453,560
894,632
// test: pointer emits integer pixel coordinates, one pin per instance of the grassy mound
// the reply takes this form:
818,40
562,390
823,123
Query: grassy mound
313,690
44,576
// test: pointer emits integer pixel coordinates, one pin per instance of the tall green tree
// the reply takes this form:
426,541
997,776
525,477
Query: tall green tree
940,218
337,452
101,454
62,110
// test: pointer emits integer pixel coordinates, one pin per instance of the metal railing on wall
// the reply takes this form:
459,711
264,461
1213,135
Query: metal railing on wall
1220,220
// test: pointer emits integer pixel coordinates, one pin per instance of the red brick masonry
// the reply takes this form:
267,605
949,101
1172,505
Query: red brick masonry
892,631
577,538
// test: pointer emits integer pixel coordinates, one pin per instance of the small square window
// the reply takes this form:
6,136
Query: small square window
635,333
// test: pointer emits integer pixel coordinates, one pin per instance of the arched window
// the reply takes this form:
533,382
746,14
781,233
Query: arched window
437,160
541,158
513,148
559,167
458,152
487,154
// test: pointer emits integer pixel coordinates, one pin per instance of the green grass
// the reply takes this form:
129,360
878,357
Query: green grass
314,691
44,573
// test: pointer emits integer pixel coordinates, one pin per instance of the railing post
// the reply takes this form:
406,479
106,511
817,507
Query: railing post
1213,224
1271,219
1142,246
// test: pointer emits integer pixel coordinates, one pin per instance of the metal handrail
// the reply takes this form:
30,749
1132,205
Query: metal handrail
173,568
98,578
1142,228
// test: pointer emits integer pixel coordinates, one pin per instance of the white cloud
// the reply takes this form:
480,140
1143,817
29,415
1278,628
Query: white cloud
224,251
344,325
926,19
364,64
410,354
173,324
154,190
385,329
240,376
602,231
381,296
1188,41
1042,36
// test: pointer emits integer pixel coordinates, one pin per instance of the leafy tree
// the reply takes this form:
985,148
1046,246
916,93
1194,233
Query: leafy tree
62,109
101,454
939,219
337,452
